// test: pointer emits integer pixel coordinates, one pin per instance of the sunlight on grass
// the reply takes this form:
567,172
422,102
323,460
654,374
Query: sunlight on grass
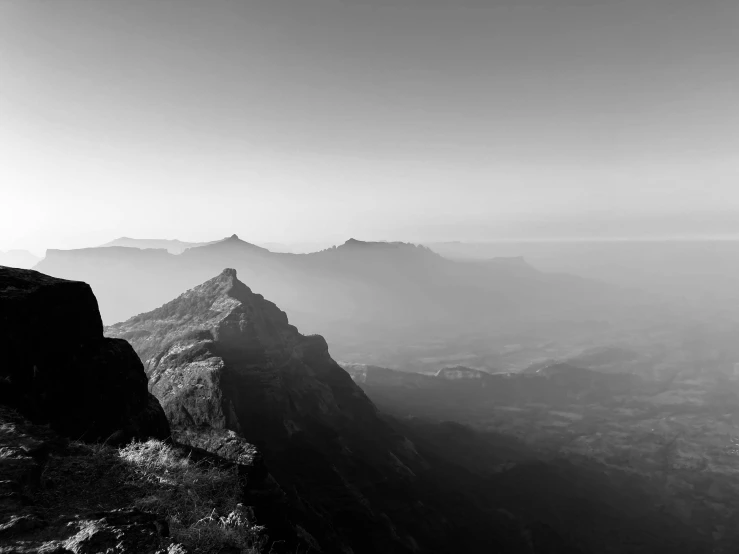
200,499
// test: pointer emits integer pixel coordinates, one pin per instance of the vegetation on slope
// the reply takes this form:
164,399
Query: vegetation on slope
200,499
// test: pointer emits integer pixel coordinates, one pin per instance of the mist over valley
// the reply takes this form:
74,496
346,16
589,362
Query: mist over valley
369,277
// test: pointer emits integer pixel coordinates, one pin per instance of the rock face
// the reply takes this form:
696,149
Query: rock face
227,366
231,371
57,367
221,357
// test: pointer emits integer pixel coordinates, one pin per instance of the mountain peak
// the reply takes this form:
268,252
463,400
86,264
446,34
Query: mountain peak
226,245
223,328
221,307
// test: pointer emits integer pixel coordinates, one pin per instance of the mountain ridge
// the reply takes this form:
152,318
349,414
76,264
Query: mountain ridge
366,298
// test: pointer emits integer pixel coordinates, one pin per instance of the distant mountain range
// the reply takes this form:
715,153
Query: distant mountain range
360,294
22,259
174,246
702,271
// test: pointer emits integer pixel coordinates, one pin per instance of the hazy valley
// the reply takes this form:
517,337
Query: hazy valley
369,277
502,377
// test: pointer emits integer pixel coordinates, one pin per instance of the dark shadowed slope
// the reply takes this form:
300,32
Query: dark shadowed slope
613,442
57,368
62,386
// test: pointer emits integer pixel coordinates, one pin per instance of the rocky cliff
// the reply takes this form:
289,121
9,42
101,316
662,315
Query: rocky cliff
62,386
57,367
222,357
224,361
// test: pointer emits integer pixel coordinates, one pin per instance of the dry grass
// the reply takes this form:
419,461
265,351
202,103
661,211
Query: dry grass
199,498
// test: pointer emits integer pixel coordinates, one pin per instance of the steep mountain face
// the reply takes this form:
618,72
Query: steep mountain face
222,356
57,367
222,359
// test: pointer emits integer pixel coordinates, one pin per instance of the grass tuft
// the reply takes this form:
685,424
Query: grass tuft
200,499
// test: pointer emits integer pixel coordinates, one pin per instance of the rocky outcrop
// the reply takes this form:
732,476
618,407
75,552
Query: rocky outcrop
228,368
59,495
57,367
222,357
231,372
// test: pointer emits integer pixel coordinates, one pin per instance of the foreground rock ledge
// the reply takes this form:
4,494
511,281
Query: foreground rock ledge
56,366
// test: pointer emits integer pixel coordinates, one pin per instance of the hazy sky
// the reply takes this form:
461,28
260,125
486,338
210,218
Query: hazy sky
407,119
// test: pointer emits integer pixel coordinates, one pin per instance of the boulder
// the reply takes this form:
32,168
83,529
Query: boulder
56,366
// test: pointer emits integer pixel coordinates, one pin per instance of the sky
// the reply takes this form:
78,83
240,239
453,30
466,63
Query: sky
320,120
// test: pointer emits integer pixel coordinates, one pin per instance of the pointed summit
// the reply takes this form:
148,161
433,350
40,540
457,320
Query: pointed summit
233,239
227,246
222,358
231,372
205,306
